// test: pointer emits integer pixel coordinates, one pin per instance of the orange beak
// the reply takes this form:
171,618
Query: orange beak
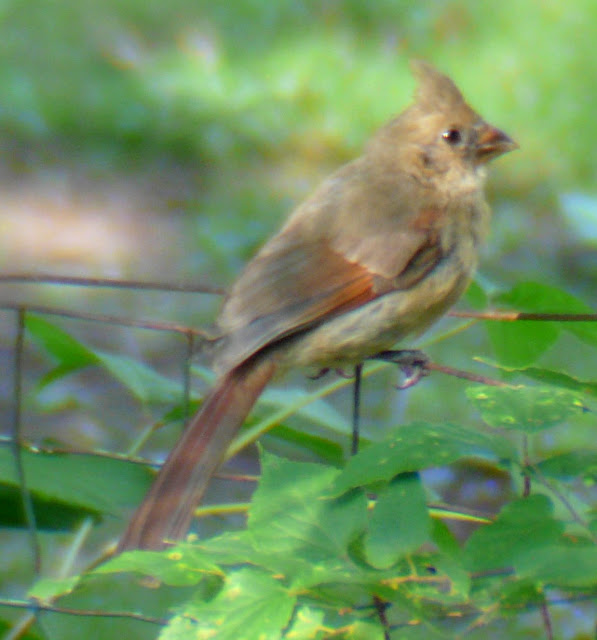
493,142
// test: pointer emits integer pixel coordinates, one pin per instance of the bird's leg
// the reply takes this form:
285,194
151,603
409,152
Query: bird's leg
356,408
356,399
413,363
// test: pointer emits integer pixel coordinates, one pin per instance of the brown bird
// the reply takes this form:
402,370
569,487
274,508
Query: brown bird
379,252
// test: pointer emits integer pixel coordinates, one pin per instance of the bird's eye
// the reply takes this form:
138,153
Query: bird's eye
452,136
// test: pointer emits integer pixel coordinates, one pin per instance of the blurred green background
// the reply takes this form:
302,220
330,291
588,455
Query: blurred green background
166,140
146,138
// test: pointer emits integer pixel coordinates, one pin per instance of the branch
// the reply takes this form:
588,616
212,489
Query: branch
34,606
107,319
465,375
513,316
112,283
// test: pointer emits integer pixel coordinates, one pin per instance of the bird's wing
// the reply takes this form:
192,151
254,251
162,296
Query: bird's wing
293,284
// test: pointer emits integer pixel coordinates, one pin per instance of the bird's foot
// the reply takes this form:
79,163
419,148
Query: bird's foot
413,363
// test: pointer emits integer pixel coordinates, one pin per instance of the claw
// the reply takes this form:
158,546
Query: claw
414,364
320,374
323,372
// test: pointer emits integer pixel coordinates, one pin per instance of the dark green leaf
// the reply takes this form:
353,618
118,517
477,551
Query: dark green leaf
567,466
327,450
414,447
50,514
514,596
560,566
99,484
522,528
7,628
399,523
527,409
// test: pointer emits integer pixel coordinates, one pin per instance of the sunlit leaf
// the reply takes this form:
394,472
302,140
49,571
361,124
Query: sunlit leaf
527,409
251,604
179,566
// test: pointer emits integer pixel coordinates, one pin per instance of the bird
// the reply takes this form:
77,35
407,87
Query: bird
380,250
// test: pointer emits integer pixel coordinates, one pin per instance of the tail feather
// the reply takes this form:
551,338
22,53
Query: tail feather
166,512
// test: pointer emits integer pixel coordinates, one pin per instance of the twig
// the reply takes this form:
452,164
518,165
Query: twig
465,375
106,319
546,617
90,613
112,283
513,316
16,441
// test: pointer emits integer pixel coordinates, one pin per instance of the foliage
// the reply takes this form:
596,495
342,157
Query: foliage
327,543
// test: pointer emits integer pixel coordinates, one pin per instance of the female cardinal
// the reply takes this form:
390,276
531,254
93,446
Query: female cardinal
380,251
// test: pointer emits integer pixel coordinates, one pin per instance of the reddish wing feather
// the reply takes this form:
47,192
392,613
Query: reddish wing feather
283,293
279,296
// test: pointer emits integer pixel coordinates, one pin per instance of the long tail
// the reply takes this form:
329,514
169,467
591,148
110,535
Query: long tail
166,511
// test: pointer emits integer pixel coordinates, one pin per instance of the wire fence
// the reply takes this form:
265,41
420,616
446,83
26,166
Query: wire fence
18,445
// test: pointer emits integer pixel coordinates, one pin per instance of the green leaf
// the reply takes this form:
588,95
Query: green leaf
142,381
230,548
475,296
181,566
521,343
307,624
47,589
551,377
571,465
295,530
102,485
317,410
365,630
307,404
252,604
399,523
449,561
522,528
69,354
7,628
516,595
561,379
330,452
561,566
50,514
528,409
414,447
517,344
